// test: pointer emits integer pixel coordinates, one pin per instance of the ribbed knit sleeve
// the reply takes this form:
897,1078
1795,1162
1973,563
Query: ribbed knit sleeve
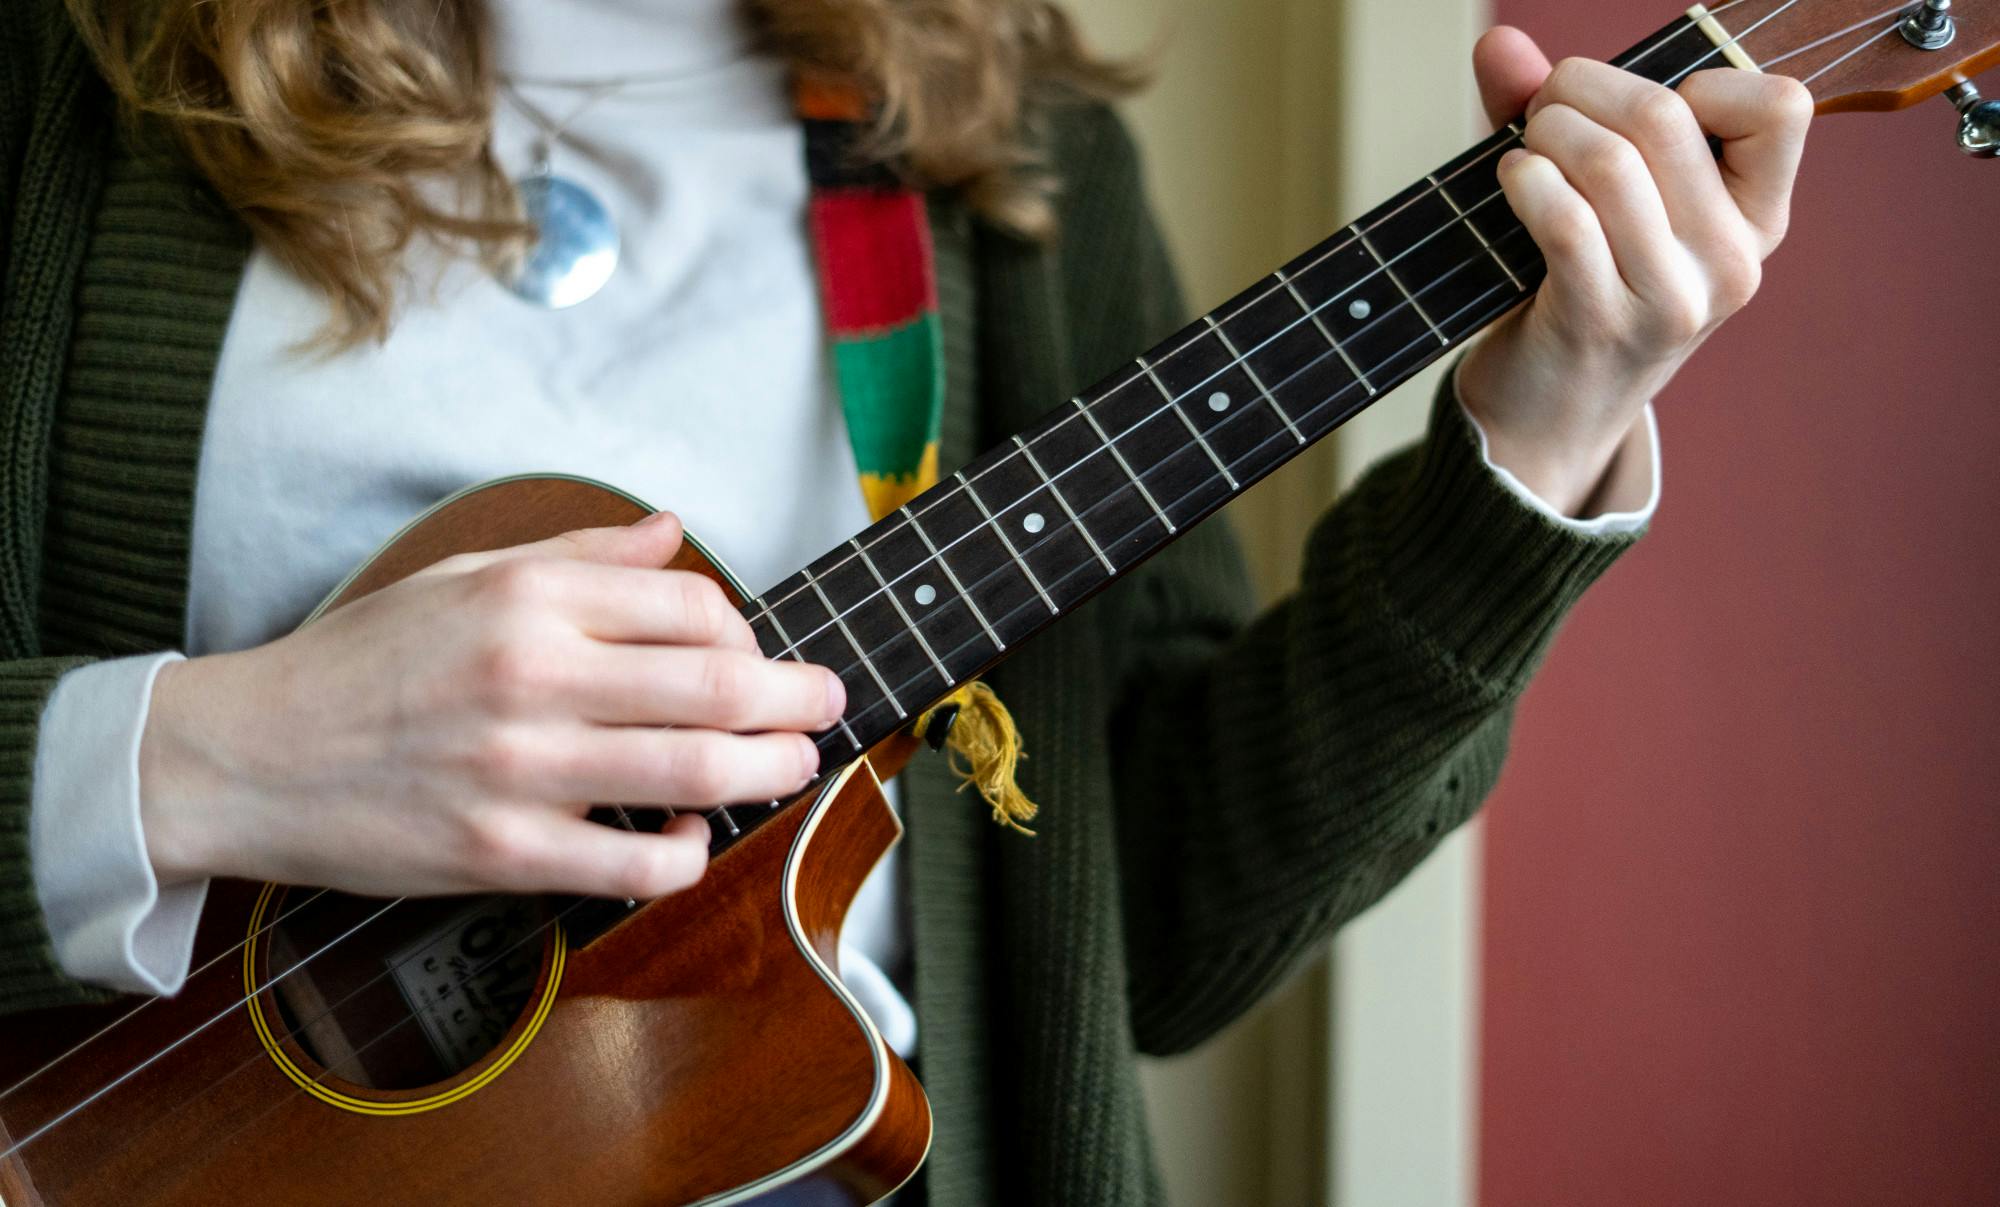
116,281
29,974
1276,775
41,72
17,80
1274,783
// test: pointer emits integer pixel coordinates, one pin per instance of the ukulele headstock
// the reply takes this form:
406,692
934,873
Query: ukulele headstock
1854,54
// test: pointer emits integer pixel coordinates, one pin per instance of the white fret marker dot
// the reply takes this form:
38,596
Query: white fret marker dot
1218,401
926,595
1034,522
1360,308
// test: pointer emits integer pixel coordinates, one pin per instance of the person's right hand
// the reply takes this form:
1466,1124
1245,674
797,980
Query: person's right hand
448,733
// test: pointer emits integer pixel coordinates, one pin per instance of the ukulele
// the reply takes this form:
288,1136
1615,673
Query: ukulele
323,1039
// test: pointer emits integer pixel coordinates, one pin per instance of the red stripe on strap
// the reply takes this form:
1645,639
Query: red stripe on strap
875,258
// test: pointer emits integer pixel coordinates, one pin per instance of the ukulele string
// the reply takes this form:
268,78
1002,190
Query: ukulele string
537,933
1150,523
1707,57
304,1025
1865,44
623,816
147,1063
395,1027
353,1054
385,1034
765,608
794,647
547,926
115,1023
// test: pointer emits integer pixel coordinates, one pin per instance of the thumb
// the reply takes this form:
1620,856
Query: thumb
1510,69
648,544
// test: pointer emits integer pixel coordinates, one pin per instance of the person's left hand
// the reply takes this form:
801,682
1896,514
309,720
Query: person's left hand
1651,244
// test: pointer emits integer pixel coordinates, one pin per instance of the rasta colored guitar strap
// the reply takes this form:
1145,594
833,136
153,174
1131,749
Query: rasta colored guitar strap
878,288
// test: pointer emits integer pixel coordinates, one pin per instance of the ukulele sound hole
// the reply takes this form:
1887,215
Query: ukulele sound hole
411,997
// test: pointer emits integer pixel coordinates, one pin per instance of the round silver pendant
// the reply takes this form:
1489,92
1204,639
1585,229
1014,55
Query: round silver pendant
576,244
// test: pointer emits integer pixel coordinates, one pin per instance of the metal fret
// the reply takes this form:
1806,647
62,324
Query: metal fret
897,604
1391,274
859,652
1173,404
1312,313
1250,371
1438,185
1122,464
1008,541
944,565
1075,520
791,647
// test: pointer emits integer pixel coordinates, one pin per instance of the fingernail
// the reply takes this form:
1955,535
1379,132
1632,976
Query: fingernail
696,830
836,698
809,758
1513,157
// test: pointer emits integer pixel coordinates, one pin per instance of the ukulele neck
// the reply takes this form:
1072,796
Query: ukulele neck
931,596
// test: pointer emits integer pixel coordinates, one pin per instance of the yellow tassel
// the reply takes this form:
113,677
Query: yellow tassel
985,747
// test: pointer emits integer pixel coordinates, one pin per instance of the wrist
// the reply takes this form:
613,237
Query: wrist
1573,476
1559,433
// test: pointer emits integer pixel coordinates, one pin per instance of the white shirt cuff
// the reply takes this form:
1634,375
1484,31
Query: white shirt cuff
112,923
1610,523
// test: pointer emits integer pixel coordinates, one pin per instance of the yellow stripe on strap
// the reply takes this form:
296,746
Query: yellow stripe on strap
1727,43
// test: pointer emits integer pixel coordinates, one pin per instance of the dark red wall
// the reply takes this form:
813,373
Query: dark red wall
1743,874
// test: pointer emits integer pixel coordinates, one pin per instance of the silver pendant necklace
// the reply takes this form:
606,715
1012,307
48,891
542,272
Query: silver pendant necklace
575,248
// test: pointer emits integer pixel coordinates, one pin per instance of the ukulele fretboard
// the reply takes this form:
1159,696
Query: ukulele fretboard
929,597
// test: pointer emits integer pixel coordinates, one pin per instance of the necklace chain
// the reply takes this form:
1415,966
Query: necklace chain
550,132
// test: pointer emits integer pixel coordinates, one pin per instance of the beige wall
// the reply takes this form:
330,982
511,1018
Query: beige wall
1239,151
1271,121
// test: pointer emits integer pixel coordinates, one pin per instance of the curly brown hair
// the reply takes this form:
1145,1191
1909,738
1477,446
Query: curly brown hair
325,124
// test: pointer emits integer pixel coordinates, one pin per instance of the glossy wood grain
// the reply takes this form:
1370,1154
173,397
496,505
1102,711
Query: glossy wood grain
1849,54
695,1048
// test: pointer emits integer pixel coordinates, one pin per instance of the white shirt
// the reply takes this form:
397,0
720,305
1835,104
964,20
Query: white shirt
697,380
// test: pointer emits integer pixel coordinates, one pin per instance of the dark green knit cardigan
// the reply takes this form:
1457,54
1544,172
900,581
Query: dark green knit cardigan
1221,793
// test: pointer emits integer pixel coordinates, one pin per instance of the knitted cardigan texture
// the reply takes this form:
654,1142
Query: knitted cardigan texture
1221,791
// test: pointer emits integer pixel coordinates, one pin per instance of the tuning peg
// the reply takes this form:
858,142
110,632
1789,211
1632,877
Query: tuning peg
1978,123
1931,26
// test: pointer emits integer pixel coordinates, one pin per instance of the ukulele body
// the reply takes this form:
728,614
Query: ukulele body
700,1050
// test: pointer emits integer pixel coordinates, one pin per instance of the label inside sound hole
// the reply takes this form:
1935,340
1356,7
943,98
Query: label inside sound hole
467,980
